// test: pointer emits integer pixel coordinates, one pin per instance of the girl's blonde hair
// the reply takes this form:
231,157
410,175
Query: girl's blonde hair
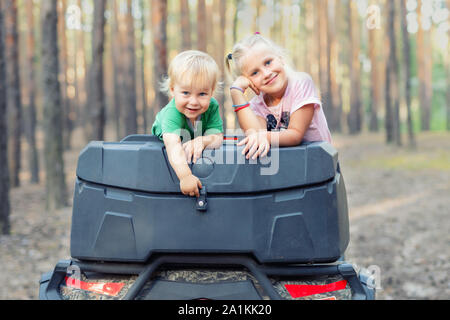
241,48
191,68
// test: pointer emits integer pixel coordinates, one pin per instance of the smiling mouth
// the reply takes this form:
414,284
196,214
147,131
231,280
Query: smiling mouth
271,80
192,110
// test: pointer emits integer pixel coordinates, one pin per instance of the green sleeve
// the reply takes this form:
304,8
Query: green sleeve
168,120
214,123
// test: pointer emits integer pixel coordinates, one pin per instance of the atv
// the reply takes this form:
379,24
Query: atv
272,228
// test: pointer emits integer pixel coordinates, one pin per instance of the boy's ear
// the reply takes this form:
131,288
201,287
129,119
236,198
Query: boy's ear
171,91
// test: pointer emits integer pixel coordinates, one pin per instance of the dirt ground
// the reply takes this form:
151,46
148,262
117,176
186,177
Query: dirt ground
398,199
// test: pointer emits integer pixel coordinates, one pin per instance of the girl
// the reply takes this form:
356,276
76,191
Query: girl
286,109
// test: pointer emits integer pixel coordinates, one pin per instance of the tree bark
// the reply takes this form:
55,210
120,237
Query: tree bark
80,71
30,127
117,69
4,169
424,64
392,90
130,74
355,115
221,56
201,26
333,65
447,59
407,73
65,100
14,103
185,25
96,97
142,72
374,78
159,31
53,145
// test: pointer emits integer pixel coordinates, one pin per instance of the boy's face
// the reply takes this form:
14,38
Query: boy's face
191,101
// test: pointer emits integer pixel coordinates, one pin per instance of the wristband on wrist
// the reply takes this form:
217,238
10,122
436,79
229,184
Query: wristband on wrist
237,88
238,108
240,105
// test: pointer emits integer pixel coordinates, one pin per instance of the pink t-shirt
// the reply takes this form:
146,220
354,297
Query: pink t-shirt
300,91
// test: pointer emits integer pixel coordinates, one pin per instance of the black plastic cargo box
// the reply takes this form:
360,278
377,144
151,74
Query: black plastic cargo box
289,207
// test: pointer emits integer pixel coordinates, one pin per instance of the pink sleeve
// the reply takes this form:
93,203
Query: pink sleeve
305,93
256,106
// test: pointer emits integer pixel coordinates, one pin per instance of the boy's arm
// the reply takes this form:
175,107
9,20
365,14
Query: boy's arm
189,184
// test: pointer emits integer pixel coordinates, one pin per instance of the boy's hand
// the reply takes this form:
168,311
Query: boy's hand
256,145
244,83
193,149
189,185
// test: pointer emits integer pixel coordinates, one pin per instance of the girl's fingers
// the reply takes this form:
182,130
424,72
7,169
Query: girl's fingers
254,88
252,150
248,145
266,150
242,142
258,152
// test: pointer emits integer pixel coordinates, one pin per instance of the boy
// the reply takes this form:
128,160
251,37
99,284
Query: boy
191,121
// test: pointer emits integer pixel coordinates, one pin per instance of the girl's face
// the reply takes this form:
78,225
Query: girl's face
191,101
266,70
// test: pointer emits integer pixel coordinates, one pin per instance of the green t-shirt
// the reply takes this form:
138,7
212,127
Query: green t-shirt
170,120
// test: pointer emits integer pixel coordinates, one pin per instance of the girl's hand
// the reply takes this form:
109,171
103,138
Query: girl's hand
193,149
189,185
256,145
244,83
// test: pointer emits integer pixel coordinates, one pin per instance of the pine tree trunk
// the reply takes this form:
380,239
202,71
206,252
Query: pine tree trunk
185,25
66,101
4,169
333,65
324,59
159,29
81,73
201,26
14,103
142,72
130,74
115,53
407,73
424,71
447,59
30,127
374,77
53,144
96,97
392,90
355,115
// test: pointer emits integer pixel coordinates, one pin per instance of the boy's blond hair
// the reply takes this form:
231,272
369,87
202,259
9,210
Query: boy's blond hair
191,68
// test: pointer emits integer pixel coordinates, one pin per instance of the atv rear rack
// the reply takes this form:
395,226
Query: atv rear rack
50,282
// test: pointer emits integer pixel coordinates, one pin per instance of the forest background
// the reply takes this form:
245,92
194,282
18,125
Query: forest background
73,71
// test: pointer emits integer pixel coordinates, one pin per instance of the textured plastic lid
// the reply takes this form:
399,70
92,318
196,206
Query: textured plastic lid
139,162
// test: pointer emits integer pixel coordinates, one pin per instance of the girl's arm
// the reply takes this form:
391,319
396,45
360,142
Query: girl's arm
189,184
299,123
247,119
254,127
